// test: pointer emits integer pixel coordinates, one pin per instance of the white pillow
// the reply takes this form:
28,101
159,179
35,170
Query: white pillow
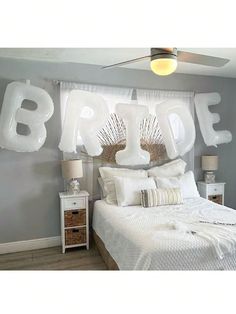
185,182
128,190
101,188
108,175
171,169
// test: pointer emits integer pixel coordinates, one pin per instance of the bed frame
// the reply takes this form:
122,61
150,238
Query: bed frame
109,261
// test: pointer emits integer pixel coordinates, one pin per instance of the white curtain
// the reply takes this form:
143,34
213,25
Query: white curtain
152,98
112,95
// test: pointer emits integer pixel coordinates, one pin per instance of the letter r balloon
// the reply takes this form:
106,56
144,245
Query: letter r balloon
86,114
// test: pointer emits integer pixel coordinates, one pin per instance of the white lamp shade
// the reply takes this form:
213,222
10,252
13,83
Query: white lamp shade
209,163
72,169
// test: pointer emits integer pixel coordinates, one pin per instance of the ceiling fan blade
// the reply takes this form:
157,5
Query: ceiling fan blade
190,57
126,62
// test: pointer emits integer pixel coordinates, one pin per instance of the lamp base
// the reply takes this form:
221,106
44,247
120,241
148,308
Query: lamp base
74,187
209,177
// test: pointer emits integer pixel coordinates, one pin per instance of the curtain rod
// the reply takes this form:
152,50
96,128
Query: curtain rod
57,82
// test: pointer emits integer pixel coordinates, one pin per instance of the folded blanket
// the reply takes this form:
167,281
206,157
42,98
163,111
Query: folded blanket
219,235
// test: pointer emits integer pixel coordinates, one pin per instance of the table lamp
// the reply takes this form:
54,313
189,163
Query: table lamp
209,165
71,171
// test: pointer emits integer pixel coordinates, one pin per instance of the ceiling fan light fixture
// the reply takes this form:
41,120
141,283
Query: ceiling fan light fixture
163,62
163,66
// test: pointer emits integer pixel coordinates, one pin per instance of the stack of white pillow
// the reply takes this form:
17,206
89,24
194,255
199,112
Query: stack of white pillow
123,186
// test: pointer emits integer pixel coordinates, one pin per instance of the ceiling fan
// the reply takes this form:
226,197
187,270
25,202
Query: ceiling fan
164,60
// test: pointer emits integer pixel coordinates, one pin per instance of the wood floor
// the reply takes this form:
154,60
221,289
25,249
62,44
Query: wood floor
53,259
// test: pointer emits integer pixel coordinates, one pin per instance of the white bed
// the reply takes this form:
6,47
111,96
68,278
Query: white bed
140,238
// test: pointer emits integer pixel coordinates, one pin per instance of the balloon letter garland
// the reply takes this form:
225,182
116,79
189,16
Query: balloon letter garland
133,154
86,113
12,113
207,119
164,111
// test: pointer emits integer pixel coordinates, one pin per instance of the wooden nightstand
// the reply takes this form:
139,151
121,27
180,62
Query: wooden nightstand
74,220
212,191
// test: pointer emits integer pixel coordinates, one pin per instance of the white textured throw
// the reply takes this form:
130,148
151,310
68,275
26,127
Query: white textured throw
222,238
168,237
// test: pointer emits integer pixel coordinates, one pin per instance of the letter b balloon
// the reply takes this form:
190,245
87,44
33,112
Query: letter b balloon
12,113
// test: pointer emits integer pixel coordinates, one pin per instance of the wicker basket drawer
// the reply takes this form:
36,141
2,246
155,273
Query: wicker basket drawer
215,198
75,217
75,236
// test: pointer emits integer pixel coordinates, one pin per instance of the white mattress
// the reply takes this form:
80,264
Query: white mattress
133,239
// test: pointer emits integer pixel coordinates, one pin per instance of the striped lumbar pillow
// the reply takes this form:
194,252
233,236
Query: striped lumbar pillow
158,197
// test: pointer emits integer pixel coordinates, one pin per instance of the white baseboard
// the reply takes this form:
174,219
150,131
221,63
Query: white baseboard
28,245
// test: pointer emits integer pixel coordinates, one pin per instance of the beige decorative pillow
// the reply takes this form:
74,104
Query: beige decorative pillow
160,197
101,188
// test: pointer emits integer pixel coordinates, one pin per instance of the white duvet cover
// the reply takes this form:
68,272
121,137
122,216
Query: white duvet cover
161,238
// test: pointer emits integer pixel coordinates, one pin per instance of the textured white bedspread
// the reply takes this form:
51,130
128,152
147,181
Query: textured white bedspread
142,238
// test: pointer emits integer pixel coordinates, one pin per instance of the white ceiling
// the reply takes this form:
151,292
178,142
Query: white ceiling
106,56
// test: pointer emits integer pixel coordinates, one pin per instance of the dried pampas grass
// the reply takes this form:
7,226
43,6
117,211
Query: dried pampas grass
113,138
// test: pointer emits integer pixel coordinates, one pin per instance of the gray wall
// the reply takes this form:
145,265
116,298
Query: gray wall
30,182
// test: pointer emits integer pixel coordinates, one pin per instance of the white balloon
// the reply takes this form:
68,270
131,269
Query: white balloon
207,119
133,154
86,113
12,113
165,112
